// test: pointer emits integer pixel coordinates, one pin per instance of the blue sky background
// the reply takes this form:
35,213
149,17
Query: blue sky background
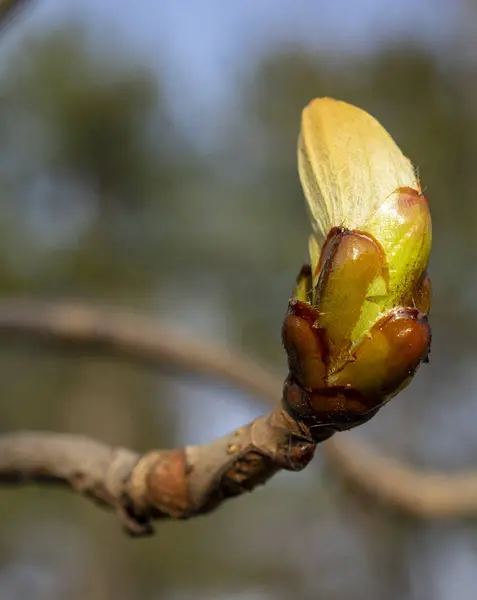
202,45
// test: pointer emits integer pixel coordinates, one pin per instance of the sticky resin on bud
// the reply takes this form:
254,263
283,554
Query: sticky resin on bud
356,329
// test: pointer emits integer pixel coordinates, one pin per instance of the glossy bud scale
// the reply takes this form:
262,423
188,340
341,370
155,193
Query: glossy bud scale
356,329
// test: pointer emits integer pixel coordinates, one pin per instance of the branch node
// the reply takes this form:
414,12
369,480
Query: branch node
157,485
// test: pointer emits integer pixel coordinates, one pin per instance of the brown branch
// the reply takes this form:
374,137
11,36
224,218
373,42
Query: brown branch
180,483
184,483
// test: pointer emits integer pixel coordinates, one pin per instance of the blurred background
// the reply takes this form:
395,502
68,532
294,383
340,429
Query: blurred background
148,161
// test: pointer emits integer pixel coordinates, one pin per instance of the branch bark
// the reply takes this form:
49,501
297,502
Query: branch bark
187,482
179,483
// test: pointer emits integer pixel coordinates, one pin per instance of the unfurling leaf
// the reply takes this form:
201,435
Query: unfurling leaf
357,325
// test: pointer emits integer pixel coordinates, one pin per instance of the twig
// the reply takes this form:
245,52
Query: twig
180,483
183,483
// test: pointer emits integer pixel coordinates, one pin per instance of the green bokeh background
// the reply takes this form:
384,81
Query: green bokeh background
104,198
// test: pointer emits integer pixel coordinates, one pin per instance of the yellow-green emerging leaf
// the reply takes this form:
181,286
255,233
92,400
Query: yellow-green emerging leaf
356,178
356,328
348,165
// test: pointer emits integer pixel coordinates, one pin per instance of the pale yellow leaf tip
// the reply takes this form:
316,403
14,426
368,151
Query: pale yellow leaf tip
348,165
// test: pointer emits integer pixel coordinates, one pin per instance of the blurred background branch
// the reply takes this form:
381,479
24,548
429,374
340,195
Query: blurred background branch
138,338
